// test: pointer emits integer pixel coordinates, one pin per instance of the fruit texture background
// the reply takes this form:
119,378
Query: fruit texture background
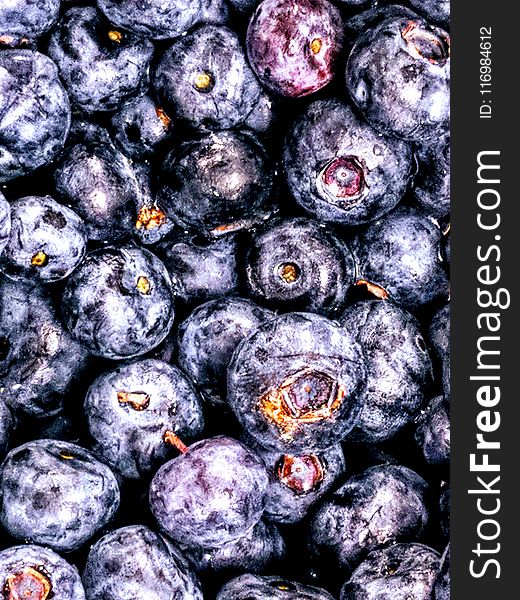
224,300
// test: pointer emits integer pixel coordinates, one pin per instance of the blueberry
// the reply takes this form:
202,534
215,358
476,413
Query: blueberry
209,336
140,126
204,80
99,183
297,383
99,65
444,508
210,496
35,112
159,20
5,222
399,258
399,369
293,45
202,270
398,76
297,482
243,6
446,247
441,588
383,504
255,587
119,302
135,562
131,410
433,432
6,423
217,184
297,264
399,572
27,20
439,339
39,359
56,494
38,573
47,242
435,10
342,171
432,183
257,552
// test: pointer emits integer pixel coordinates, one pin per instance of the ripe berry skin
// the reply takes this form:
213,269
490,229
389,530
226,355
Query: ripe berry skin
5,222
255,587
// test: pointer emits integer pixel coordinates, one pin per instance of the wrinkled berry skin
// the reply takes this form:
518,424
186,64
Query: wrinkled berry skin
296,483
401,254
342,171
433,432
204,80
47,242
297,383
161,20
210,496
299,265
119,302
56,494
435,10
5,222
208,337
398,572
40,360
130,408
255,587
202,270
260,550
65,582
432,183
441,588
399,369
293,45
27,19
398,75
439,340
140,126
217,184
98,72
35,112
135,562
6,424
383,504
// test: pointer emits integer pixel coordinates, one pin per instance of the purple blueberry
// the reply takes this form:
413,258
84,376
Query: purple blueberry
432,182
433,432
27,20
441,588
5,222
255,587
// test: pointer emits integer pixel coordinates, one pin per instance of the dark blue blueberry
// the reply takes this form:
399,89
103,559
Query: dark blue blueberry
140,126
433,432
373,14
27,20
203,78
217,184
38,573
398,75
56,494
119,302
260,550
383,504
210,496
202,270
297,264
210,335
342,171
294,45
100,66
158,20
256,587
6,419
132,409
432,183
100,184
135,562
47,242
441,588
446,249
444,508
399,369
39,359
399,572
399,258
297,383
5,222
435,10
439,340
35,112
297,482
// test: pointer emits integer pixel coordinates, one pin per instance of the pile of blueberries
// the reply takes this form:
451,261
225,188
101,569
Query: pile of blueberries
224,300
